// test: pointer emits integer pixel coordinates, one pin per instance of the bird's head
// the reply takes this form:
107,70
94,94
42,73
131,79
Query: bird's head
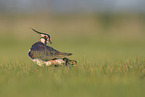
44,38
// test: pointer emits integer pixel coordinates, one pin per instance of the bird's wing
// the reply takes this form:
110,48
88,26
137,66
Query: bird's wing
56,54
45,53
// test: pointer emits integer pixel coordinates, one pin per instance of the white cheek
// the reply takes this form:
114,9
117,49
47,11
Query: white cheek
42,40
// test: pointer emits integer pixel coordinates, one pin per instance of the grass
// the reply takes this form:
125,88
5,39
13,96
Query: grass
109,65
106,72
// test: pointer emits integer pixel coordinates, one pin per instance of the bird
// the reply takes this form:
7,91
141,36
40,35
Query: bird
41,54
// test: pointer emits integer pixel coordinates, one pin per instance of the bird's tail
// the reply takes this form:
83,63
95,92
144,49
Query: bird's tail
61,54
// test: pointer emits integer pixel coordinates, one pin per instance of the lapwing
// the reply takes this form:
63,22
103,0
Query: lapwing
43,54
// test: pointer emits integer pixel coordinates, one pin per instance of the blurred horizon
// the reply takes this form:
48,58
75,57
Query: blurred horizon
71,21
72,6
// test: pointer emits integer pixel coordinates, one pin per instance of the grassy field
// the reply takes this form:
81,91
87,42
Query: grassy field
110,64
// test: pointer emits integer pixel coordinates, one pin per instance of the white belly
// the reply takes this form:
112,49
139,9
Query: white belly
48,63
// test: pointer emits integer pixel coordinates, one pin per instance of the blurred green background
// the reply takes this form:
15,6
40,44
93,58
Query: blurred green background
105,37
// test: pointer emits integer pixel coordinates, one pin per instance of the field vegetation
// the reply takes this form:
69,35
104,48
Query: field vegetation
109,50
